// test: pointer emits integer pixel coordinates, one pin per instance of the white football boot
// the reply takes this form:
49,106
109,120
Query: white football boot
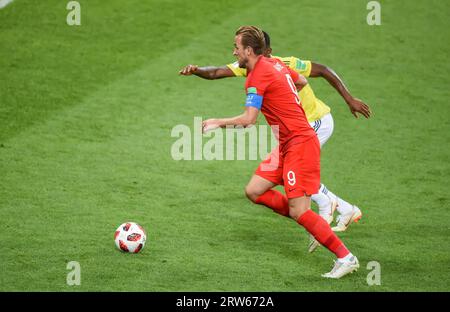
342,268
343,221
313,243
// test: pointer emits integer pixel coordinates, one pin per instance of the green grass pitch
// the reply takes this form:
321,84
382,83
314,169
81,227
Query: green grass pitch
86,114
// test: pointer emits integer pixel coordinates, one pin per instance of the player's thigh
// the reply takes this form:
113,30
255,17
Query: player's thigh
301,169
271,168
324,128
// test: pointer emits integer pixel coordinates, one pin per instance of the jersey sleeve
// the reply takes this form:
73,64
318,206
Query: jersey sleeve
256,88
238,72
253,98
300,66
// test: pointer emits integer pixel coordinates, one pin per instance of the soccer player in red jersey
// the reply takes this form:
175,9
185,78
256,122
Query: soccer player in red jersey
319,117
271,88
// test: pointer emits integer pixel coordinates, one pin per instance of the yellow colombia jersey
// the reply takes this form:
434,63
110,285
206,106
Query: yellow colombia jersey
313,107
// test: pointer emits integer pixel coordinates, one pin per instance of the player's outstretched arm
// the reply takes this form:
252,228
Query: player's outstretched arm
246,119
207,72
355,105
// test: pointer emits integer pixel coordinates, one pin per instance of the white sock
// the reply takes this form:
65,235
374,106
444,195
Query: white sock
347,258
343,206
322,200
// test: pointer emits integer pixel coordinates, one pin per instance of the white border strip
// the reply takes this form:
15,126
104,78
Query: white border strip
4,3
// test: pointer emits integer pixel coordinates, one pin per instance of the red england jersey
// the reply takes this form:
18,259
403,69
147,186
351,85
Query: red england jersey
272,82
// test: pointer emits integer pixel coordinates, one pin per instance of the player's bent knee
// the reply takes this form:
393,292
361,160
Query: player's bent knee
251,193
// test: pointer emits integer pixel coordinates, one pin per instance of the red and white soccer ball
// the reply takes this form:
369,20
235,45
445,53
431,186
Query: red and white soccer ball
130,237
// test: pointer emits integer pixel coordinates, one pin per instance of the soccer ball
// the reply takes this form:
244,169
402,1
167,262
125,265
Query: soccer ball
130,237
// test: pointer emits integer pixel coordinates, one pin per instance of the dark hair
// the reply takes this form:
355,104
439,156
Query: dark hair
252,37
266,39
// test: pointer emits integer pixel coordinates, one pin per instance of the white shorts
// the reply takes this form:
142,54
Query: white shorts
323,128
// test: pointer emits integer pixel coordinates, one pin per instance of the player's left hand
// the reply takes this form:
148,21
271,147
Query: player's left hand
188,70
209,124
358,106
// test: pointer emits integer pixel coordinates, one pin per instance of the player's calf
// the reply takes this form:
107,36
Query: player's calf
298,206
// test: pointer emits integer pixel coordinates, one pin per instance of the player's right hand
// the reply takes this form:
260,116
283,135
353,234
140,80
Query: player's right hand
358,106
210,124
188,70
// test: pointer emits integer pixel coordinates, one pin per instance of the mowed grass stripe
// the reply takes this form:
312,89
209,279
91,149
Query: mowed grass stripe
48,65
94,144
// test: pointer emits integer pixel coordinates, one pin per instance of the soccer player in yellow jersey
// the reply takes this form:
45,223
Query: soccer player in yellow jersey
320,119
